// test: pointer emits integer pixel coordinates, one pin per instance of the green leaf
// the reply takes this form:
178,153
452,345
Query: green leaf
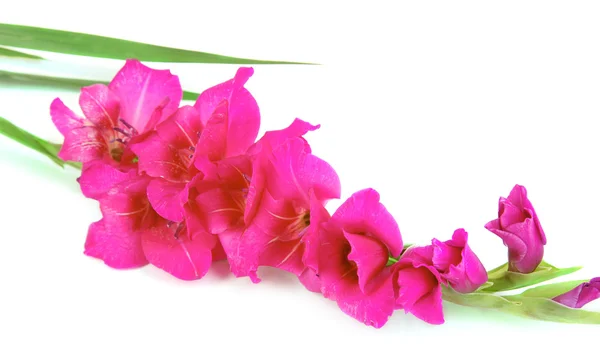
44,147
552,290
503,280
65,83
12,53
524,306
80,44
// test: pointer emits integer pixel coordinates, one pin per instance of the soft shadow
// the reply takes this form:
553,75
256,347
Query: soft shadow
220,271
271,275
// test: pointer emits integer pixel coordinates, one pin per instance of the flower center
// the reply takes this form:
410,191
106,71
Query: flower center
121,134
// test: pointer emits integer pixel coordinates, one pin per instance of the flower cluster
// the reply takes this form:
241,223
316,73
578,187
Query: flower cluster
182,186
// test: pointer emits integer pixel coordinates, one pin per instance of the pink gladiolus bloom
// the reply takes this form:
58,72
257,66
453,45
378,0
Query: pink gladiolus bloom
178,250
131,233
117,237
519,227
286,197
355,246
223,123
116,115
581,295
457,263
418,285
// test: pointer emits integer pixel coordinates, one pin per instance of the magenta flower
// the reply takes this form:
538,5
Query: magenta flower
520,229
223,123
457,263
355,246
581,295
284,207
179,250
133,103
418,285
166,155
117,237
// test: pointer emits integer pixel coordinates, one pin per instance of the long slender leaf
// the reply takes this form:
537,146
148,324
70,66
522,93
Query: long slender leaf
503,280
60,41
65,83
17,54
25,138
524,306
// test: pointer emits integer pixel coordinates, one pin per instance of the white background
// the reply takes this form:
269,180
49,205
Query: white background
440,106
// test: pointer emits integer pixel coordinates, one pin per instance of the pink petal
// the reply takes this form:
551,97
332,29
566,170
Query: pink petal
295,172
97,177
255,189
274,216
272,139
285,255
420,293
100,106
167,198
83,142
464,271
518,196
372,309
117,247
210,98
183,257
181,130
158,159
340,281
126,205
446,255
213,140
243,258
310,280
219,209
312,240
141,90
64,118
370,257
242,125
363,213
244,116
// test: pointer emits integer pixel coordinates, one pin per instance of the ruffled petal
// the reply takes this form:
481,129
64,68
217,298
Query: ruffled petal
213,140
420,293
141,90
182,129
310,280
295,172
369,255
116,245
243,258
83,141
98,176
274,138
167,198
100,105
363,213
171,250
158,159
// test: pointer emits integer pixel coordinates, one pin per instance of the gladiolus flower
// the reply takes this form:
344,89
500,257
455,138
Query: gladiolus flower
519,227
116,115
418,285
580,295
355,246
457,263
284,207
